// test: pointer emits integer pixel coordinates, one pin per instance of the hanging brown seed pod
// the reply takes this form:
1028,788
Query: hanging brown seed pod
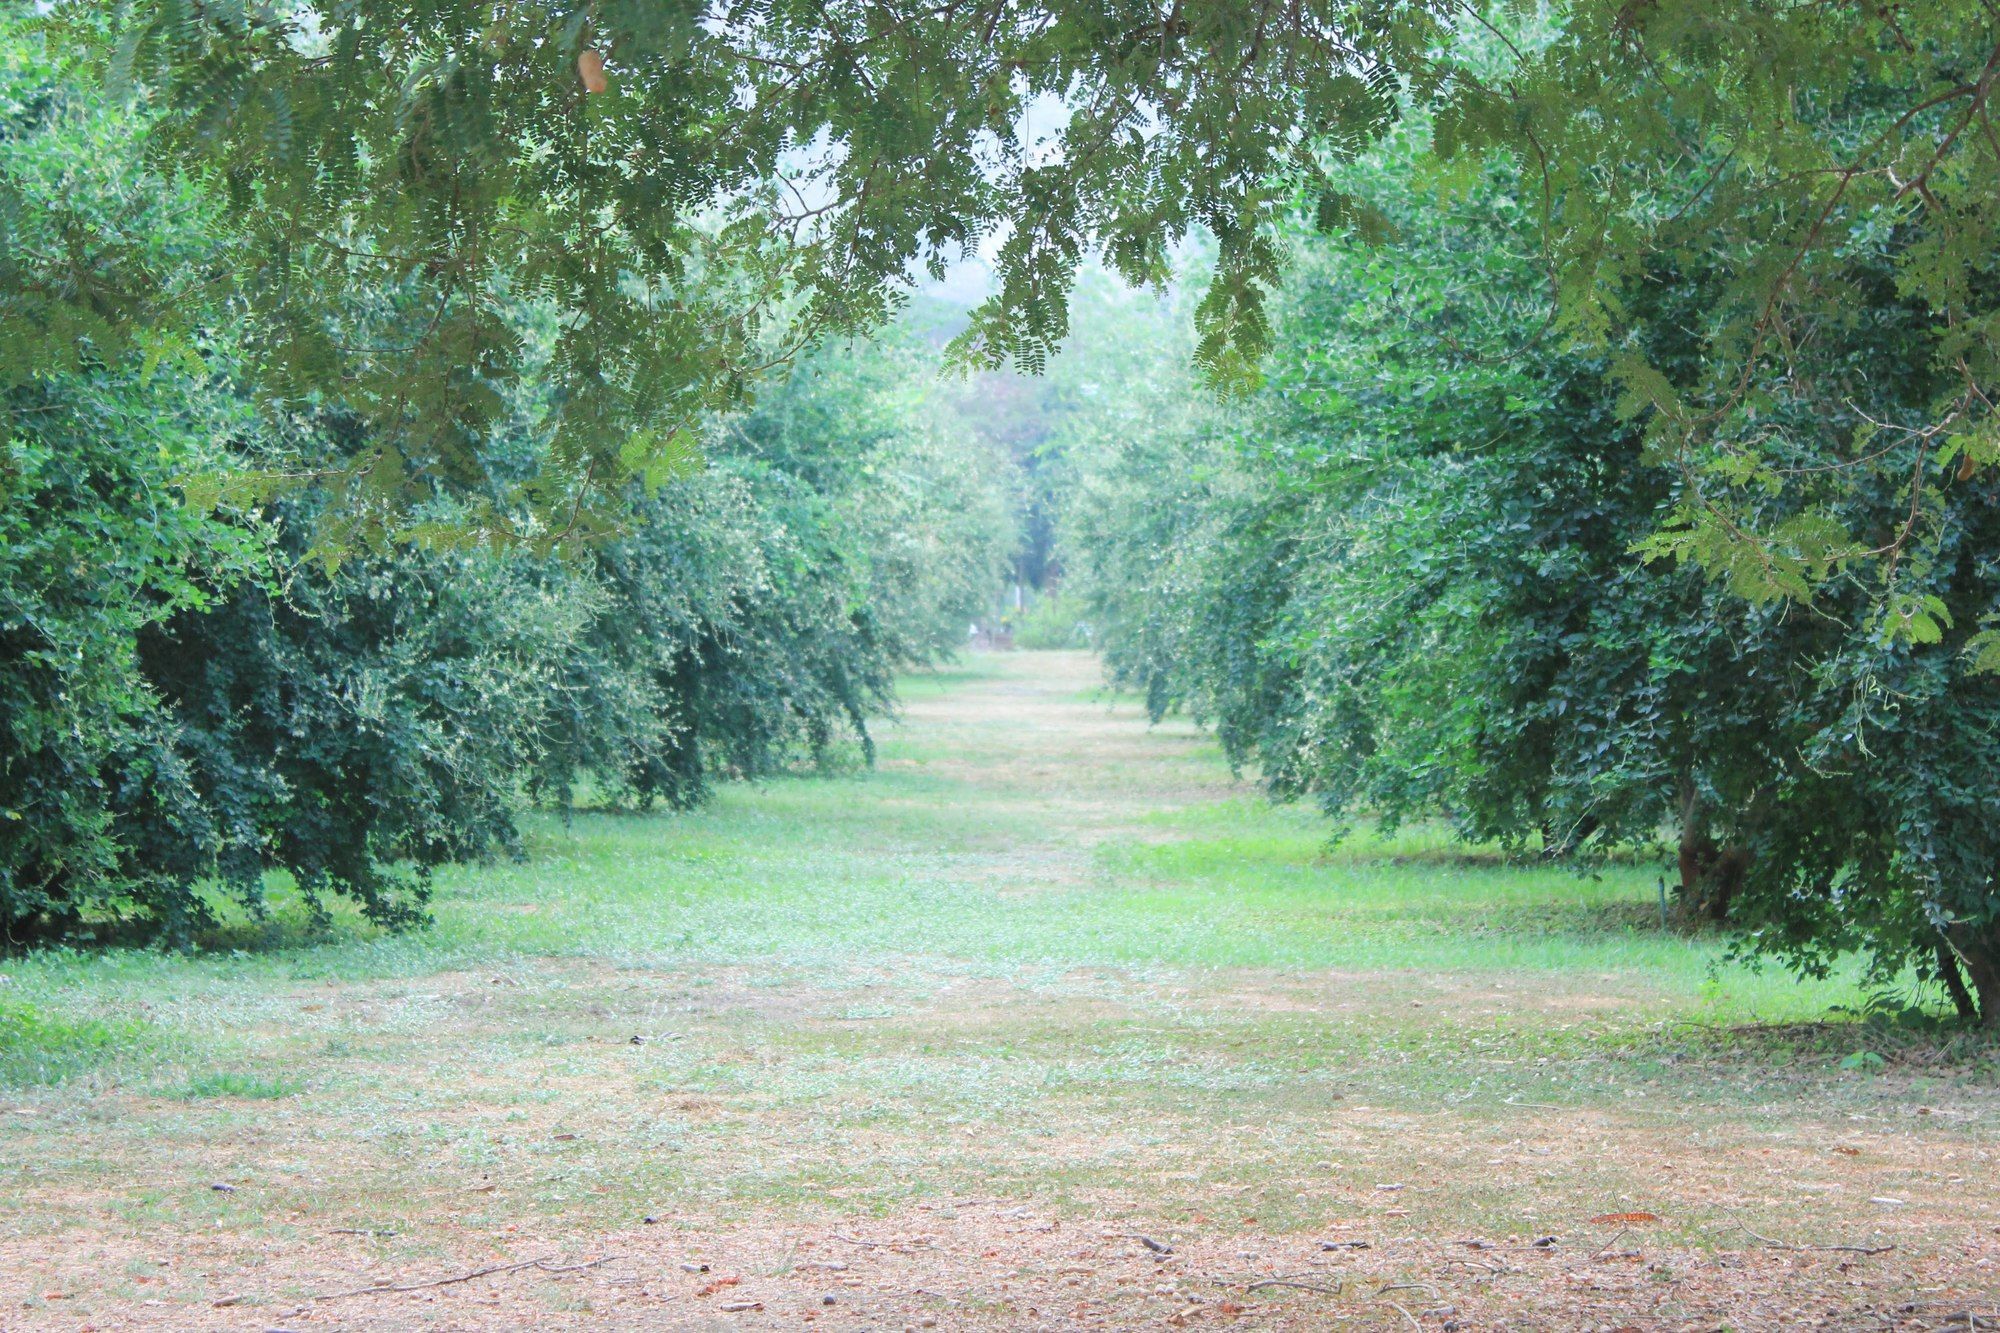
590,68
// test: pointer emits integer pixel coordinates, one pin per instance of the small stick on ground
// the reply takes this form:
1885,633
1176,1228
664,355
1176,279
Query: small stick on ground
1623,1232
1406,1314
587,1263
1288,1282
541,1263
1776,1244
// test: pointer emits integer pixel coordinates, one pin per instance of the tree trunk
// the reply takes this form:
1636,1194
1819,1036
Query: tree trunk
1558,846
1978,949
1710,875
1954,983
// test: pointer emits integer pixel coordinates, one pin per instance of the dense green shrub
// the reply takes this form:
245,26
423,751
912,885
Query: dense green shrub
208,688
758,612
352,729
94,548
98,419
1403,579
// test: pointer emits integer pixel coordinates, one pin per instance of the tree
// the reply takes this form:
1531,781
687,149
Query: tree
1771,147
94,544
757,612
1403,582
204,701
668,181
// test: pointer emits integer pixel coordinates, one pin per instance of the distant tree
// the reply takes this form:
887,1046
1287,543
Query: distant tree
757,613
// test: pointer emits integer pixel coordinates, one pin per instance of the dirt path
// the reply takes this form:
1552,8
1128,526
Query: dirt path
1046,1024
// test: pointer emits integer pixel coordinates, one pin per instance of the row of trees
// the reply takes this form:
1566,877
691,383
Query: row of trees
1421,572
210,674
426,290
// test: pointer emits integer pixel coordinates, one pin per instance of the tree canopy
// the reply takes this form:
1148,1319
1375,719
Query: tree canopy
1400,580
685,192
1611,446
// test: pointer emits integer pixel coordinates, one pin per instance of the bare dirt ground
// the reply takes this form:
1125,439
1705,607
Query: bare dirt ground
990,1068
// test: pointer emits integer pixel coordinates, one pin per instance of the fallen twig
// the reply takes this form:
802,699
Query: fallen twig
1291,1282
1776,1244
1623,1232
1406,1314
541,1263
587,1263
1495,1269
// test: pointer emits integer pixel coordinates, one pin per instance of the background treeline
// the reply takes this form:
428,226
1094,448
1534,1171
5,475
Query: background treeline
209,688
1420,573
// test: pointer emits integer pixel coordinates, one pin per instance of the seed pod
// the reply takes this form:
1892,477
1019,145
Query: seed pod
590,68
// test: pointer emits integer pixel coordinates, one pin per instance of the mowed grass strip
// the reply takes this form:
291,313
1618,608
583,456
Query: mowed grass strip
1044,952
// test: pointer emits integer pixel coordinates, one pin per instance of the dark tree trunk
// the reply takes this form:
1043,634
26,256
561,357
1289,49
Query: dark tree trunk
1710,875
1954,983
1978,949
1558,846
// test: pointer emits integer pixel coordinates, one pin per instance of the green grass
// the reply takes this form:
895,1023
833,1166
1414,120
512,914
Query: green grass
1044,948
247,1087
38,1047
822,875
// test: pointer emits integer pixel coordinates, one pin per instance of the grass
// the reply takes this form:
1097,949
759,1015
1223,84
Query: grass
1045,953
247,1087
38,1048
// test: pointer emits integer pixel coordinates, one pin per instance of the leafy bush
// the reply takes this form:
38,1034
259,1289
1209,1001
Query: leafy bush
96,425
1402,579
758,612
204,685
352,729
1052,621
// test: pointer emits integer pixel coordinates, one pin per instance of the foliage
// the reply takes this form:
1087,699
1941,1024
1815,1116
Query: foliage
671,182
353,729
199,711
1814,163
1402,580
1052,621
668,186
758,612
94,544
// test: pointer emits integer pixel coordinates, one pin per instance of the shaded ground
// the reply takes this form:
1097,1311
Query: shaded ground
1047,1024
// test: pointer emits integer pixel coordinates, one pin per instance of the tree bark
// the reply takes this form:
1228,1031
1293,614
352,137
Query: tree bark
1954,983
1710,875
1978,949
